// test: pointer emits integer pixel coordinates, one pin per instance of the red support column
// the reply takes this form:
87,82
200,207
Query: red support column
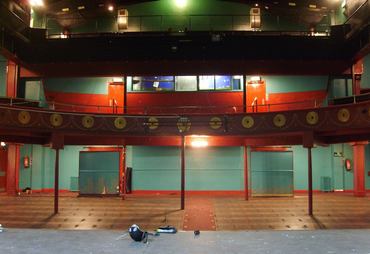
12,171
359,169
246,185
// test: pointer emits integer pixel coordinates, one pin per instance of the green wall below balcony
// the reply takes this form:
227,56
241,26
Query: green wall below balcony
212,168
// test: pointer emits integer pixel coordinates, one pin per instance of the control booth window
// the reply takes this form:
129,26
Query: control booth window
153,83
184,83
206,82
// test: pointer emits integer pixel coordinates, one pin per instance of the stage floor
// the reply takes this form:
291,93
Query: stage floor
331,211
43,241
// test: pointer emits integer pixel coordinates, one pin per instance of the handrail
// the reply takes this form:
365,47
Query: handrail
187,23
168,110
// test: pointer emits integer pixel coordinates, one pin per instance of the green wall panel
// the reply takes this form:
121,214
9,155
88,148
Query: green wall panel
3,64
367,166
40,175
84,85
365,79
286,84
99,172
272,173
158,168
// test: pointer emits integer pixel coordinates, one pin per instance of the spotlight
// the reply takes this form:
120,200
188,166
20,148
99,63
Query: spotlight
2,144
181,3
110,7
36,3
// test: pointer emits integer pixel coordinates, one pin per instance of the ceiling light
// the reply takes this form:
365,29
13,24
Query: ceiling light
65,9
117,80
199,143
256,5
80,7
36,3
2,144
292,4
181,3
255,78
110,7
312,6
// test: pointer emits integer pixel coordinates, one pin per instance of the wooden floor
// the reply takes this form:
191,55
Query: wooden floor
331,211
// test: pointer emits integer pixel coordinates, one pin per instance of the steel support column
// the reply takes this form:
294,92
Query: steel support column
56,182
182,172
310,207
246,174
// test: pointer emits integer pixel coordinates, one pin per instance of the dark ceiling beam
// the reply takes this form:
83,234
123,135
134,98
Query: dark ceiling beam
142,68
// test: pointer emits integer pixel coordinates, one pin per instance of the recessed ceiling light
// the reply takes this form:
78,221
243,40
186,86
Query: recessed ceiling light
65,9
292,4
110,7
81,7
256,4
312,6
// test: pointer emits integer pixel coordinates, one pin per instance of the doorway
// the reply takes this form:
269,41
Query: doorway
272,173
99,173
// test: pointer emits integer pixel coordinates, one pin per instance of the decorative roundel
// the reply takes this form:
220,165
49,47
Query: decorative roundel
24,117
247,122
183,124
88,122
343,115
312,118
120,123
56,120
279,120
215,123
153,123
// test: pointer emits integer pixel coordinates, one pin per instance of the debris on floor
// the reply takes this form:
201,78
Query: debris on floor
167,230
138,235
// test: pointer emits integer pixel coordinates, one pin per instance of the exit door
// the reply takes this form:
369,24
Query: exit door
256,96
99,173
272,173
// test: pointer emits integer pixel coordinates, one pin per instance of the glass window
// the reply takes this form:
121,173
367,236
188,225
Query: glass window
153,83
186,83
237,82
223,82
206,82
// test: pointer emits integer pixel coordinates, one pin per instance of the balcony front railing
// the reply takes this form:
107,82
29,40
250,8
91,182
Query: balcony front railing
193,23
165,110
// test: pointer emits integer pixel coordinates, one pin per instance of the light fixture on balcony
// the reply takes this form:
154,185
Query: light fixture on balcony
122,19
199,141
255,78
181,3
110,8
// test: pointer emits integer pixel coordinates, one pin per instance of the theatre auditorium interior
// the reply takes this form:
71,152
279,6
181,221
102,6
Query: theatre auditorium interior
204,115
